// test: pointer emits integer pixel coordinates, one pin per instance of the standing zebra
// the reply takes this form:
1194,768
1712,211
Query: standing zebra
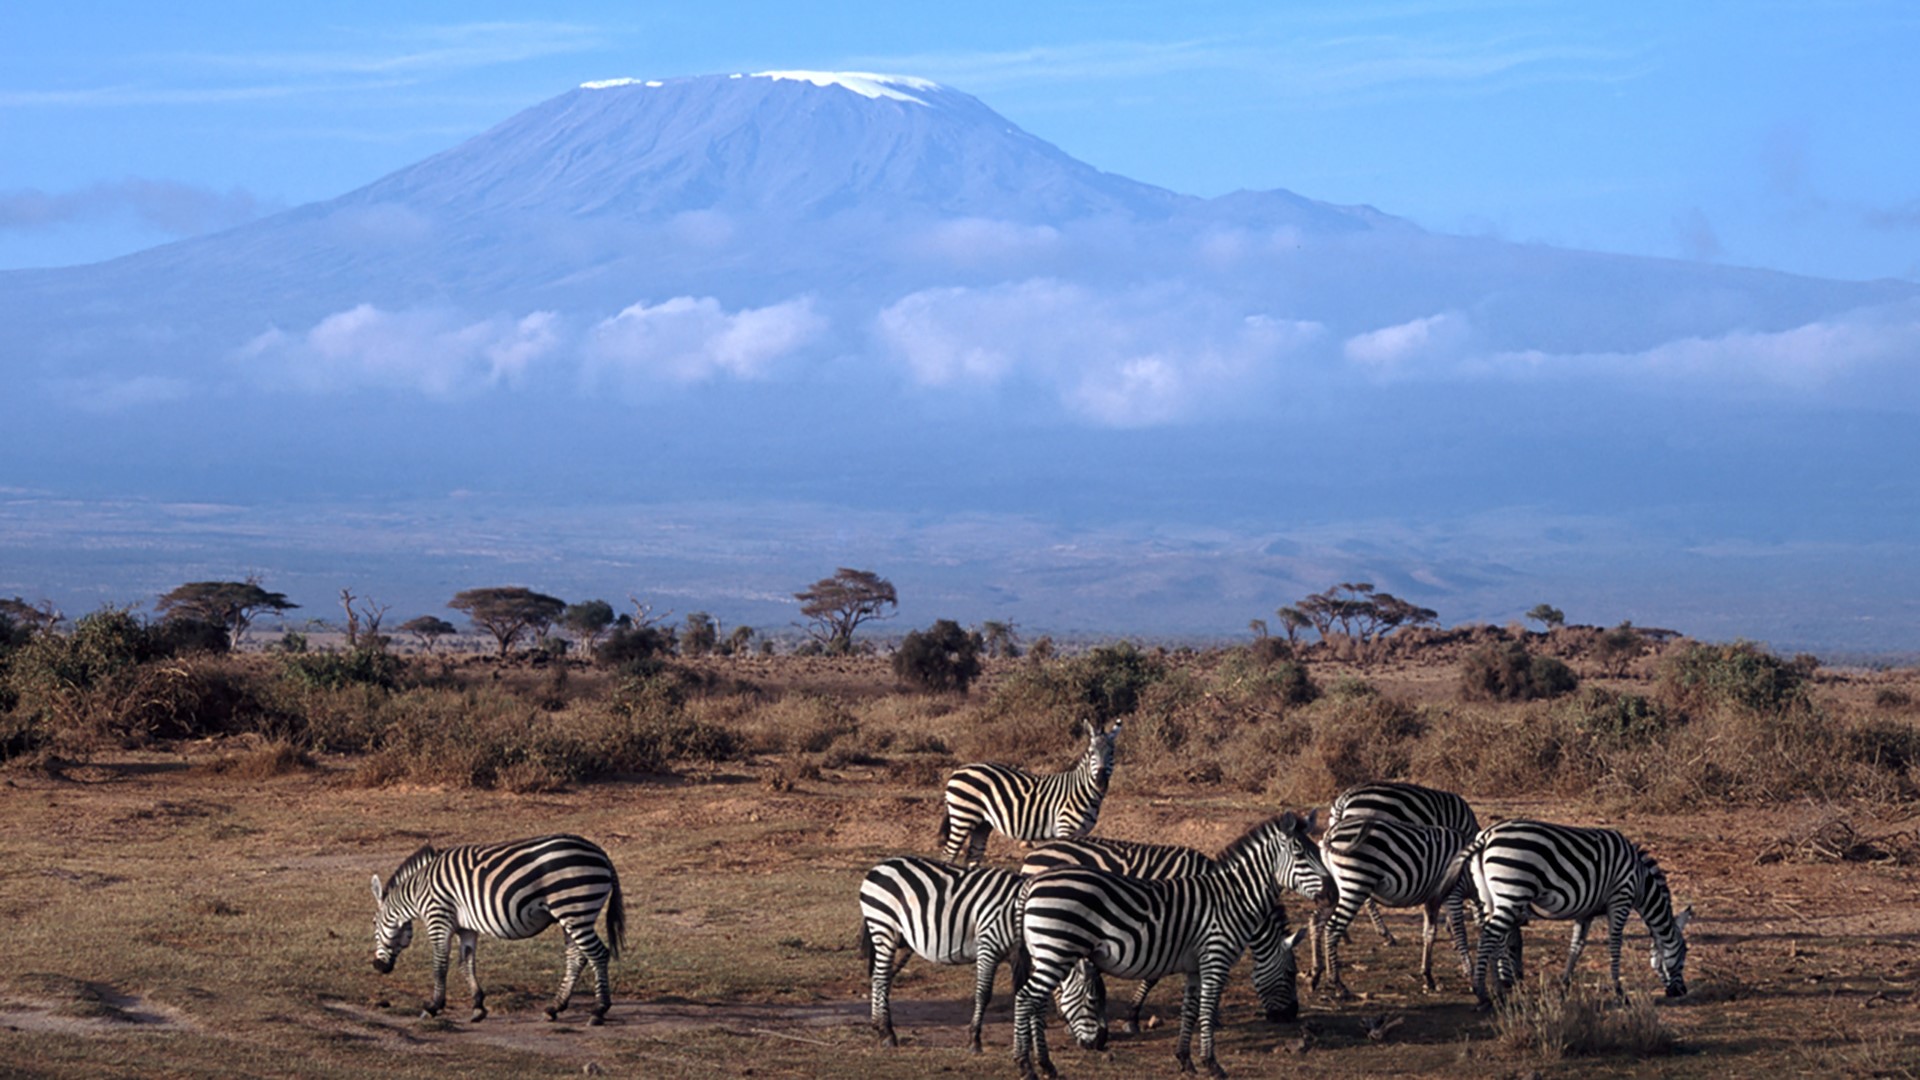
951,915
1139,929
1058,806
1399,801
1523,868
1275,973
1400,865
509,891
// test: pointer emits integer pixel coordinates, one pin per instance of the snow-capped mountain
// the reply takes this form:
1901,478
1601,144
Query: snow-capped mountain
874,292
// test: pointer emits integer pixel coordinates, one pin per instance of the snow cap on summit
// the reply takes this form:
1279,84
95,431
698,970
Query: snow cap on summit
864,83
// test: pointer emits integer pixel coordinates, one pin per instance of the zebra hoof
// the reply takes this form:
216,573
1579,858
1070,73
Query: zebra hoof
552,1014
1131,1027
479,1014
596,1020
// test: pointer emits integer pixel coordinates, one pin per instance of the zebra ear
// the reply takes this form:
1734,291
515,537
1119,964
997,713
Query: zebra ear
1111,735
1312,820
1292,941
1092,732
379,894
1681,920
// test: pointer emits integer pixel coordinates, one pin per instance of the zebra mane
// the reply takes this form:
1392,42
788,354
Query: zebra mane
411,863
1286,823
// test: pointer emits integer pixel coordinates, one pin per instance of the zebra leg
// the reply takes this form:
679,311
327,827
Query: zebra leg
1379,921
985,966
1189,1019
576,959
1428,930
1496,935
883,940
469,946
598,956
1575,943
1317,933
1029,1019
1616,930
439,935
977,843
1212,978
1335,928
1457,926
1139,1002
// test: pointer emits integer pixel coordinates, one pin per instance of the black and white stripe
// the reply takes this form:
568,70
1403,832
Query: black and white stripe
1398,864
1141,929
1395,800
509,891
949,915
1523,869
984,797
1275,973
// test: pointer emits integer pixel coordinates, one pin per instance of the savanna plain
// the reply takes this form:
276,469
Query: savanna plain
189,838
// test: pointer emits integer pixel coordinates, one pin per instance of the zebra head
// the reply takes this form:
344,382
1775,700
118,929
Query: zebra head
1276,974
1099,759
1280,852
1667,929
393,919
1082,997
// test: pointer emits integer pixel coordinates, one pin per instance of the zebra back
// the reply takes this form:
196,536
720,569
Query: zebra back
1118,856
1395,800
941,910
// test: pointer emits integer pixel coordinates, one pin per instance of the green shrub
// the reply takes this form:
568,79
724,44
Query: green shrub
1619,719
333,670
941,659
1108,680
1891,697
1508,672
635,650
1740,676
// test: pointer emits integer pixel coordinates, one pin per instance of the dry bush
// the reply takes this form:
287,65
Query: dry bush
1503,752
1552,1023
1508,672
275,757
1356,737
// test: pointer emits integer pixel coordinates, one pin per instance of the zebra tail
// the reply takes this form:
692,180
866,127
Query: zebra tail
866,948
1457,869
616,917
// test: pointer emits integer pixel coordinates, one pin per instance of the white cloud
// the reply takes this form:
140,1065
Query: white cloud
1870,356
112,394
435,352
1419,346
1142,357
971,241
692,339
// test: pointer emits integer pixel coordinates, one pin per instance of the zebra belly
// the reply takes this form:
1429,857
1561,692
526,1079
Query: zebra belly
523,922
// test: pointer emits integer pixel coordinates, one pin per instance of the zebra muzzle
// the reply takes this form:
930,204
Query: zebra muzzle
384,967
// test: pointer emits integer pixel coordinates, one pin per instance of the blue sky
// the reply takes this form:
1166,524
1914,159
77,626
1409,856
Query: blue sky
1762,134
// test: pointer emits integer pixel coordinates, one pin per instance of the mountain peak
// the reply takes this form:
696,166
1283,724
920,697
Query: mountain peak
865,83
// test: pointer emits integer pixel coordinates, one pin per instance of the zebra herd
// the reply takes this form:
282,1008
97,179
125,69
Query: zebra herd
1079,908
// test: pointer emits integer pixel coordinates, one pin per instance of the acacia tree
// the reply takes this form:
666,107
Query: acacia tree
35,618
428,628
508,611
1000,639
1356,610
230,605
588,619
1547,615
839,604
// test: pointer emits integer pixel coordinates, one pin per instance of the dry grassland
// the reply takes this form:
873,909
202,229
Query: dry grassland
201,909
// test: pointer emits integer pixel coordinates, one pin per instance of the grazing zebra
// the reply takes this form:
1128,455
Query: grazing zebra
1058,806
951,915
1141,929
1526,868
1398,801
1274,970
1400,865
509,891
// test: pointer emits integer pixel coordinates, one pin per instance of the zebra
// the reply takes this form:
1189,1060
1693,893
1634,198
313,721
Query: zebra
1400,865
509,891
1274,970
982,797
951,915
1141,929
1398,801
1527,868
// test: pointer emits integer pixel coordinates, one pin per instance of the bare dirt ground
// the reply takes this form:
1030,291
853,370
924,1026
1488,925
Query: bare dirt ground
163,920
